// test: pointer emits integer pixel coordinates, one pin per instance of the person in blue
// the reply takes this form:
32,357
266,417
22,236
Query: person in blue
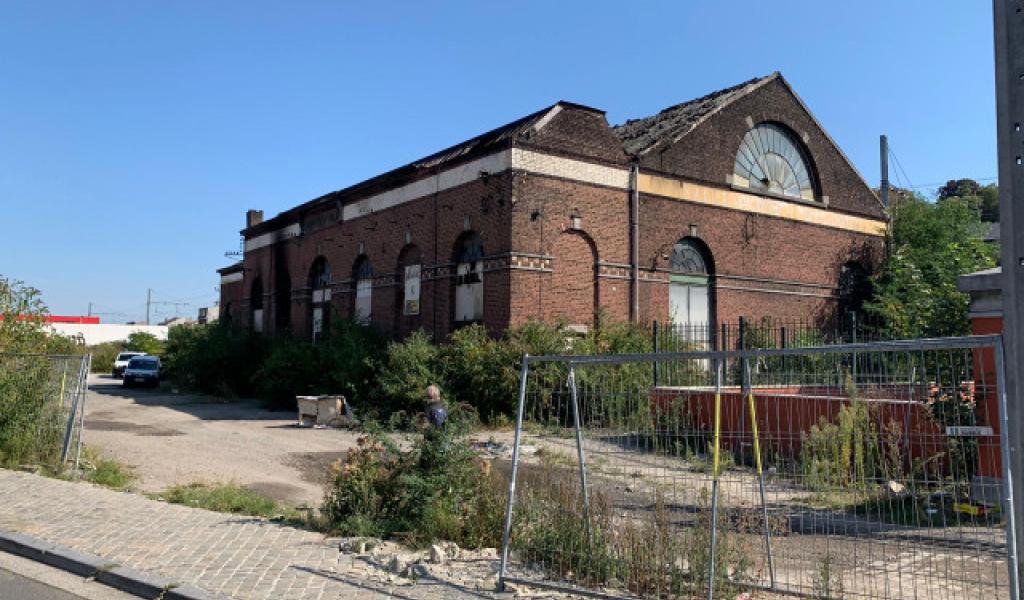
437,412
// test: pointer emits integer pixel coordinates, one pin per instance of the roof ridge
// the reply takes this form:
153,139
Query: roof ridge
640,135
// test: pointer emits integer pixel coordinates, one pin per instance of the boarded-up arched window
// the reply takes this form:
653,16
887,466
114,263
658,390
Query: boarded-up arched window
363,275
469,279
320,296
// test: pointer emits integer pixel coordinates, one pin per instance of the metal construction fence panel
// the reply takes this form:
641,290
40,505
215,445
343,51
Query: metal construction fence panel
871,470
42,403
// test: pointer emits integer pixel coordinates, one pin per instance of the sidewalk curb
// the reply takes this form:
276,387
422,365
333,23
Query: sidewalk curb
138,583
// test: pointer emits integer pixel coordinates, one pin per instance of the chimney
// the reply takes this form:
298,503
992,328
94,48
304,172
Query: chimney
253,217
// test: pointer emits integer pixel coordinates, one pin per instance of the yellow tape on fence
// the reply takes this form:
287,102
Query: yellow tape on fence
718,432
753,429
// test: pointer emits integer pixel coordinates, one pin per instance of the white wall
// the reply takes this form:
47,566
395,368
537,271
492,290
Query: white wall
106,332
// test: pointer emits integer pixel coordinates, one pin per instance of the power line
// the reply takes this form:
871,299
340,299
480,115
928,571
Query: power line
900,168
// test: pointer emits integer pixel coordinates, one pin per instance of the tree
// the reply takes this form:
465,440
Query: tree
23,322
932,244
985,197
140,341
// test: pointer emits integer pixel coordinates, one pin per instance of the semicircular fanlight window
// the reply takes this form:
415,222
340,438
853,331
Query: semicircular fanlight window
770,160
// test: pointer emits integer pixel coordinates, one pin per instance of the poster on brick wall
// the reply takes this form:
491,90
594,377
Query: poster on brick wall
412,290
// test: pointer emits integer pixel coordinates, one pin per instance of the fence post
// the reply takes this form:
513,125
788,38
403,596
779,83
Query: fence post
748,386
716,449
81,417
657,348
853,339
1009,508
782,345
507,536
585,494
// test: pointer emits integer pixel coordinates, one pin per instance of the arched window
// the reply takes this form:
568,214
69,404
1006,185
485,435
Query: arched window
469,279
320,296
770,159
363,275
410,276
690,302
256,304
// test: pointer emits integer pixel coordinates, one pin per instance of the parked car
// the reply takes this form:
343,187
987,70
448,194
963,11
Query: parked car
142,370
122,361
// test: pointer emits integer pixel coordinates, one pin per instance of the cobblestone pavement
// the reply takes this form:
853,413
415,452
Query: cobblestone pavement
237,557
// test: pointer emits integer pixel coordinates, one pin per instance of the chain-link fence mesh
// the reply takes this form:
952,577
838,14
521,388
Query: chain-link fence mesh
851,471
42,403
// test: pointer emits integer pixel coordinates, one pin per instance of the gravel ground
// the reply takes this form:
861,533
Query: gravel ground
177,438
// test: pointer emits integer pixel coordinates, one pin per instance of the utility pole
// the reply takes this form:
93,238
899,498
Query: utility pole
89,314
1009,37
149,301
883,151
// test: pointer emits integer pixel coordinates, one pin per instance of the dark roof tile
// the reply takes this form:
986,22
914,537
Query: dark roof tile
640,135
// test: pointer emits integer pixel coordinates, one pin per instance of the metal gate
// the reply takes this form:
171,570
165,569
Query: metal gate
849,471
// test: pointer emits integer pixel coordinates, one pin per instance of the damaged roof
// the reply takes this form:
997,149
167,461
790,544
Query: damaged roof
640,135
483,144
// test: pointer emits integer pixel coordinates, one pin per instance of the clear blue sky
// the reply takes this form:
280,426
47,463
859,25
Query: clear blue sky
134,135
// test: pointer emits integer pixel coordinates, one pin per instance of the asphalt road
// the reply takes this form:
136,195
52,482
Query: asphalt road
18,587
24,579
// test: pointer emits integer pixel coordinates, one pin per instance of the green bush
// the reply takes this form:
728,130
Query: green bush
348,358
31,416
438,490
31,422
216,359
103,355
289,369
482,371
405,372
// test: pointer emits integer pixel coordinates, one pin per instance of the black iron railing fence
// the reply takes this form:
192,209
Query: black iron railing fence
767,332
764,333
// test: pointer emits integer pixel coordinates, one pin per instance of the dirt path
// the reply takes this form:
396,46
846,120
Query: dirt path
182,438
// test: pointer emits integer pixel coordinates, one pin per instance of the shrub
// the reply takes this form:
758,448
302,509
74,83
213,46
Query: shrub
103,355
289,369
482,371
347,360
406,371
217,359
31,420
436,490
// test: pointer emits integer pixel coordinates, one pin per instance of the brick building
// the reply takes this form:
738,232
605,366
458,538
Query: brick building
734,204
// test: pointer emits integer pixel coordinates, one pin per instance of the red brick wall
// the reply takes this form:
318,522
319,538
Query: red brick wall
568,292
433,226
766,266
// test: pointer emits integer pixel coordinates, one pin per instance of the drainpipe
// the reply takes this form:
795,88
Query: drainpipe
634,235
